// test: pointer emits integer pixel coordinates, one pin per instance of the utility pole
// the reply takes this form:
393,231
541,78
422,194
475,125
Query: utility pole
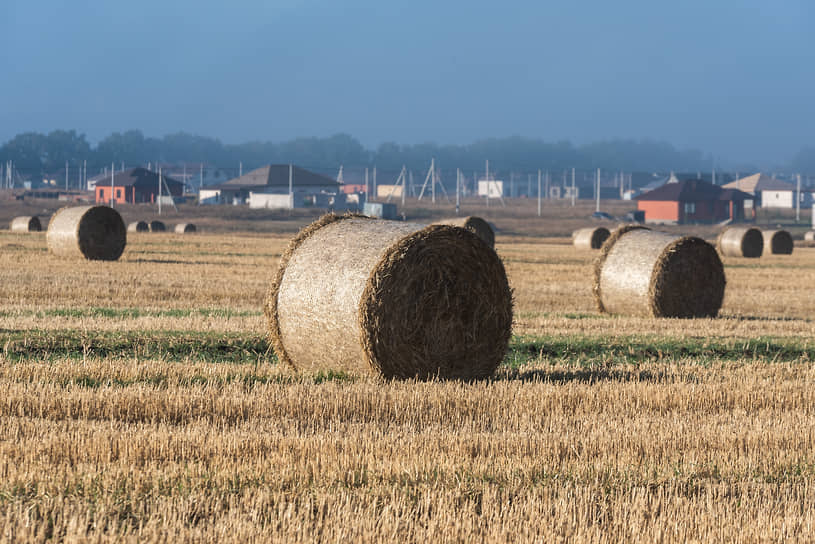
367,186
112,184
66,175
374,180
159,190
291,185
404,184
798,200
433,180
539,192
240,168
458,191
598,189
573,188
200,181
85,175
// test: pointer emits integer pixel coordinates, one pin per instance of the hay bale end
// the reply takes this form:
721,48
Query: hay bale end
157,226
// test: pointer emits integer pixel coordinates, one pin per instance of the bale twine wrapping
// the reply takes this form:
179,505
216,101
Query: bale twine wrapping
185,228
740,242
26,223
474,224
138,226
809,236
93,232
590,238
777,242
642,272
399,300
157,226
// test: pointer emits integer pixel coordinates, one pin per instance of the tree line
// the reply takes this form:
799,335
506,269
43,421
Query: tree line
34,153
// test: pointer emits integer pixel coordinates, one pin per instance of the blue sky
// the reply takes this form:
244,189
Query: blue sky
732,78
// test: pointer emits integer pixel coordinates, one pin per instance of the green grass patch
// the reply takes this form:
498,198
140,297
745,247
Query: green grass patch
604,351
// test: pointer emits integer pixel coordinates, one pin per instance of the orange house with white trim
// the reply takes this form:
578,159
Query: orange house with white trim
692,201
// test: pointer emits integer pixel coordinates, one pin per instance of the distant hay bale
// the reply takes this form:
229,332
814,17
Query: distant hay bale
185,228
809,236
590,238
777,242
740,242
642,272
26,223
138,226
92,232
474,224
157,226
399,300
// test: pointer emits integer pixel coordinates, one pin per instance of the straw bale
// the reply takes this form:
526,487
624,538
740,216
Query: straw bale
740,242
777,242
590,238
185,228
157,226
398,300
26,223
642,272
474,224
809,236
138,226
93,232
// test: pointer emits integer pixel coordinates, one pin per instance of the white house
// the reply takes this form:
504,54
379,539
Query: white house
770,192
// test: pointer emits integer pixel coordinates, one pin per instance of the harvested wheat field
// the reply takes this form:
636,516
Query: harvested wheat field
153,410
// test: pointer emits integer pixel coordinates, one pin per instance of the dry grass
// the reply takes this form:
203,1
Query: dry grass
110,431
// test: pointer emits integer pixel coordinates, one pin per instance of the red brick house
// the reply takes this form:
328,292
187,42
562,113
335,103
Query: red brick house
692,201
135,186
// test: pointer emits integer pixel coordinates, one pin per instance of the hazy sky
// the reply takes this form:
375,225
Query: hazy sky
734,78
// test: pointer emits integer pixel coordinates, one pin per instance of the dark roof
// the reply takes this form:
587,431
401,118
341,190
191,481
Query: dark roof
276,175
133,176
693,190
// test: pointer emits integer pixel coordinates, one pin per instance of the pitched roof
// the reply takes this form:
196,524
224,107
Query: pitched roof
277,175
693,190
133,176
759,182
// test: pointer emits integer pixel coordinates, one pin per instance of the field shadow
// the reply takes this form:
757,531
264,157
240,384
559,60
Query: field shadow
587,376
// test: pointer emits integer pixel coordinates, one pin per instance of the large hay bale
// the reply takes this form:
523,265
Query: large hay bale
26,223
777,242
740,242
642,272
185,228
809,236
474,224
400,300
157,226
138,226
93,232
590,238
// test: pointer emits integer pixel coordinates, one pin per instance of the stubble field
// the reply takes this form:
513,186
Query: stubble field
138,401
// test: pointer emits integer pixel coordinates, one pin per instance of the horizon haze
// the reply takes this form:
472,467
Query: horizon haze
730,79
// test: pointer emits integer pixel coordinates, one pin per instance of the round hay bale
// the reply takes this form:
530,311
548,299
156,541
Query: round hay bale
26,223
590,238
642,272
157,226
809,236
740,242
185,228
138,226
93,232
777,242
474,224
399,300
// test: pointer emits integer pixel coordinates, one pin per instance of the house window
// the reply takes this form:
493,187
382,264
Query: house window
690,208
118,193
